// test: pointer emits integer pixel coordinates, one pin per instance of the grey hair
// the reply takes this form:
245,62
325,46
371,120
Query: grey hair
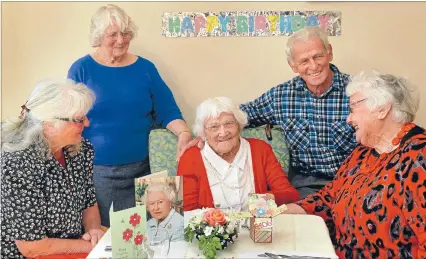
50,99
212,108
305,35
382,88
106,16
168,191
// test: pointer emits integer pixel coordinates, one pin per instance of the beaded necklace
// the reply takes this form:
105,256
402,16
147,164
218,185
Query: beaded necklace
395,142
222,183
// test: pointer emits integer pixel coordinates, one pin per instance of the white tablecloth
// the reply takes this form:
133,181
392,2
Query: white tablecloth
292,235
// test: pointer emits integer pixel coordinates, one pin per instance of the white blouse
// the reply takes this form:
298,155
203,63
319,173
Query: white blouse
230,184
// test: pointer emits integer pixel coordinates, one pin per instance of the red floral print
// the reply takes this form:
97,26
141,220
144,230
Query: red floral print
138,239
135,219
127,234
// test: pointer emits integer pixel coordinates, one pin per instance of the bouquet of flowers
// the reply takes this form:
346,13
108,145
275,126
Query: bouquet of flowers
214,229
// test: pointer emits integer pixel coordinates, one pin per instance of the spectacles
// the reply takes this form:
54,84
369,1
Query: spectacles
76,120
114,36
159,203
226,125
351,105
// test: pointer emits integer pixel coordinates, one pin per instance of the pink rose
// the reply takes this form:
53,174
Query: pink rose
215,216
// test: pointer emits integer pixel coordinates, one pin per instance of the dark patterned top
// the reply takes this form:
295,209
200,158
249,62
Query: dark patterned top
42,199
378,210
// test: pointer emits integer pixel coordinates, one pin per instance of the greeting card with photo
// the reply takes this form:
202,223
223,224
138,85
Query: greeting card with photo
163,198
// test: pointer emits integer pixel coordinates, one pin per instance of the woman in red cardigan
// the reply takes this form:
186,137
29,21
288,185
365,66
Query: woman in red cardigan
229,167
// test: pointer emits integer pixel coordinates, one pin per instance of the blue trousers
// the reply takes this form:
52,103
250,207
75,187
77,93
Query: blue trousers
116,184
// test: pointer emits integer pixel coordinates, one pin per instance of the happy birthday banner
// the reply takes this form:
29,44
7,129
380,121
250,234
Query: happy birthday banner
254,23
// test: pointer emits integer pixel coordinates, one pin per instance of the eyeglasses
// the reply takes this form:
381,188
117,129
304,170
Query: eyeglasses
152,204
351,105
76,120
226,125
114,36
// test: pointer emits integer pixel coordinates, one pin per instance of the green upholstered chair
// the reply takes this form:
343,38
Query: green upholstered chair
162,148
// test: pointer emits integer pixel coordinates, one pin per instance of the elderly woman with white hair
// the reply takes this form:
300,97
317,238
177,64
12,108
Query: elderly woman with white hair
131,100
48,204
159,200
229,167
376,205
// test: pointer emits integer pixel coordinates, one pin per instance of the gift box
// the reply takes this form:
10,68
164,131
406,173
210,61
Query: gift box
261,230
262,208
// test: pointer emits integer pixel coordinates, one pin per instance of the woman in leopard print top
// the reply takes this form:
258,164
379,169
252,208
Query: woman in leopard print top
376,205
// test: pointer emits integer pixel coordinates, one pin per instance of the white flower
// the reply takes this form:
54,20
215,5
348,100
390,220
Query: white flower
192,227
220,230
197,220
208,231
230,228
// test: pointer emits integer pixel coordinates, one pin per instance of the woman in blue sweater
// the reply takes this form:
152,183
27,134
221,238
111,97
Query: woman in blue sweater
131,97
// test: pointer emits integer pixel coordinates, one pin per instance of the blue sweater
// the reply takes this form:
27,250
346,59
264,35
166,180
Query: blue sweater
127,101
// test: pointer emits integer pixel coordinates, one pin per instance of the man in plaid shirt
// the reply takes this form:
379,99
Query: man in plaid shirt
311,109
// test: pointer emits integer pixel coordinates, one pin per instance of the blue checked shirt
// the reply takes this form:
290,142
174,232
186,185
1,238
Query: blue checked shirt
315,127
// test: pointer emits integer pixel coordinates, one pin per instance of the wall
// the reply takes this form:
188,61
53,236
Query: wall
42,39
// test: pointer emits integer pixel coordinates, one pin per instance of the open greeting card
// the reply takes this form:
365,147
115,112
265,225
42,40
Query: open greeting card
128,227
127,232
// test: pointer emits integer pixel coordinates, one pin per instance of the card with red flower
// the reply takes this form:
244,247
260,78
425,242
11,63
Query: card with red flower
127,232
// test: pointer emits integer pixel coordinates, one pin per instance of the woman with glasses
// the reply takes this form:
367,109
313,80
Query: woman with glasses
159,201
229,167
132,99
376,205
48,203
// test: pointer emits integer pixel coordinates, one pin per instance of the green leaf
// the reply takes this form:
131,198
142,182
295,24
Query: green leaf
216,243
189,234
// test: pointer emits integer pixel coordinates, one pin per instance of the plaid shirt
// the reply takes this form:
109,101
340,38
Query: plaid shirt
315,127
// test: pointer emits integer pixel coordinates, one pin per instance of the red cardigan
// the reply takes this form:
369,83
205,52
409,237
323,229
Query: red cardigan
268,177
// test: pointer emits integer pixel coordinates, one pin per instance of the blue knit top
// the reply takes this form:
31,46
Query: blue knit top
129,101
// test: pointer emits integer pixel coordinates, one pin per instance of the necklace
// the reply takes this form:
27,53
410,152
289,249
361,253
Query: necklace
110,61
395,142
222,183
406,128
221,180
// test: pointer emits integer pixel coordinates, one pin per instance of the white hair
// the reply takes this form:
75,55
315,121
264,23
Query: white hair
212,108
168,191
106,16
305,35
382,88
50,99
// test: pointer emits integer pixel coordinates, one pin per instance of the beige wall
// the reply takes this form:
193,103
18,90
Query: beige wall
41,40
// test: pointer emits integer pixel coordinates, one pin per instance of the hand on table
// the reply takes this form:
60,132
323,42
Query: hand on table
93,235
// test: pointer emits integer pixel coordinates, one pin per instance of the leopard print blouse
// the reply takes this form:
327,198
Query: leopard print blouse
377,210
